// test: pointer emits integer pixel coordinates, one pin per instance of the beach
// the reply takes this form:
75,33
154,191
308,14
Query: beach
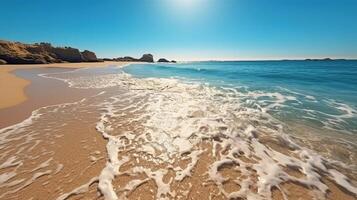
25,96
178,100
12,87
95,131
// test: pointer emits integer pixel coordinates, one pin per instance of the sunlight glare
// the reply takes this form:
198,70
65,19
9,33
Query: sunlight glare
187,10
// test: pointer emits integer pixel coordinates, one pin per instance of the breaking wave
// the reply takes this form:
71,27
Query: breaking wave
183,136
179,121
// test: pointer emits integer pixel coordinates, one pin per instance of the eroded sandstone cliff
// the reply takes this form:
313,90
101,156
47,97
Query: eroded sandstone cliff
42,53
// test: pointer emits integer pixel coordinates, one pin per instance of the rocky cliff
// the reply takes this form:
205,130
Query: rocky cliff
147,58
41,53
89,56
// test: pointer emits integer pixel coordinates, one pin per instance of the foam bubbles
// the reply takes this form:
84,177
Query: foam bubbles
165,131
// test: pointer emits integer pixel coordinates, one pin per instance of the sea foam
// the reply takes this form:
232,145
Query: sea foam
158,127
178,117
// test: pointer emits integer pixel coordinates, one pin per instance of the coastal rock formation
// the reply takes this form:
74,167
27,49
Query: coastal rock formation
108,59
41,53
68,54
147,58
2,62
16,53
89,56
163,60
126,59
144,58
322,59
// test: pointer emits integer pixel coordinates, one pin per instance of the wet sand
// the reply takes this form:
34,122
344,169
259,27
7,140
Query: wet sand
12,87
63,154
53,161
22,90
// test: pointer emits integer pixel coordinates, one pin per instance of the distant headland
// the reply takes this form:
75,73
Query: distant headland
322,59
45,53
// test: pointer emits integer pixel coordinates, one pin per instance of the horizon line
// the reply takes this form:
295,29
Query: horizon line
282,59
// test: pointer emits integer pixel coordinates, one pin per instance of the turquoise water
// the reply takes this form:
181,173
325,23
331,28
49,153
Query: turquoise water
323,93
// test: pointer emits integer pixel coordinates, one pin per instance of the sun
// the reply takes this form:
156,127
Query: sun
186,9
186,3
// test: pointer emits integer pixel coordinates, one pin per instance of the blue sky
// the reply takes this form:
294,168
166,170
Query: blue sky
188,29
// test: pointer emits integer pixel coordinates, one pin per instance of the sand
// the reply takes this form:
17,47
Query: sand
64,152
12,87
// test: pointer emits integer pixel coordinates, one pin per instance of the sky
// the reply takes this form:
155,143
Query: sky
188,29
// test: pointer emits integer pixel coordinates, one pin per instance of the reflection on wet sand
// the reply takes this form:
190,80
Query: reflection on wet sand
161,139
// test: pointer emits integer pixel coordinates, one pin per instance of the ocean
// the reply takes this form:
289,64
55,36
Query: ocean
207,130
323,93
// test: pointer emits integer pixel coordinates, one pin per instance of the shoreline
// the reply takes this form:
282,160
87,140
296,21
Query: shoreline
12,87
99,131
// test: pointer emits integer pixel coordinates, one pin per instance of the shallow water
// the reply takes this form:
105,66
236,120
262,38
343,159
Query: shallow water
196,130
321,92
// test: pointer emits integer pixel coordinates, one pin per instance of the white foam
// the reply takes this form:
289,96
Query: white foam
79,190
113,164
342,180
183,173
176,117
163,189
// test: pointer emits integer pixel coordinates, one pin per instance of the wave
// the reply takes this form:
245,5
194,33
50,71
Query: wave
177,118
186,69
163,127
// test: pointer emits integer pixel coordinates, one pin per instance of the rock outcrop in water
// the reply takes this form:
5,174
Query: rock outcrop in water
126,59
325,59
145,58
42,53
163,60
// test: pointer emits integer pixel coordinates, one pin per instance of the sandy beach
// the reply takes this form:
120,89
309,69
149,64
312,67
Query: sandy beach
12,87
112,136
54,150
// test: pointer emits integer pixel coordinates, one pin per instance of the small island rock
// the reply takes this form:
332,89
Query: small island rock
147,58
163,60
